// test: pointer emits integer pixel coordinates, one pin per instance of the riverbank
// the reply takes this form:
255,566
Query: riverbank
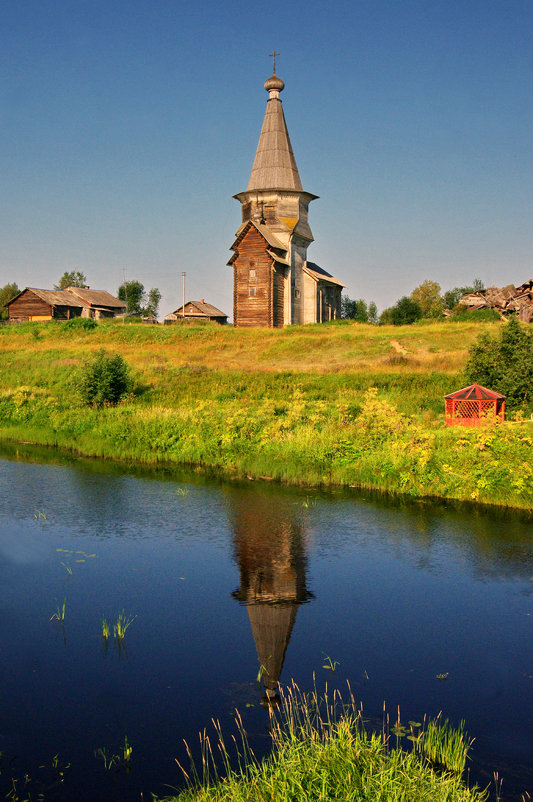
317,756
293,414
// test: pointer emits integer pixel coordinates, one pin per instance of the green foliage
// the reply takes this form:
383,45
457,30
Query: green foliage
152,307
74,278
358,310
464,315
139,303
321,752
404,312
80,324
7,292
504,364
133,294
104,380
428,297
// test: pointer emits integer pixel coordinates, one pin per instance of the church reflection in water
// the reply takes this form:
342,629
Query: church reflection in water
269,539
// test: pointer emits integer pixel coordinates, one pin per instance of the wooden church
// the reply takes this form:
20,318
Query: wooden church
273,283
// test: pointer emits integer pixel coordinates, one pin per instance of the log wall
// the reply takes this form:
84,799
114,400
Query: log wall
29,306
253,283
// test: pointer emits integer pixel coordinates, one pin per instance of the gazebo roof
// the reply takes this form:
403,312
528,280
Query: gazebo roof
476,392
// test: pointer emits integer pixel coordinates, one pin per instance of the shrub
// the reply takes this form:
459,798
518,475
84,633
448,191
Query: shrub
504,364
105,379
404,312
80,323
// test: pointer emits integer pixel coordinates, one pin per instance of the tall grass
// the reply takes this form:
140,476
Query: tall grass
312,427
321,750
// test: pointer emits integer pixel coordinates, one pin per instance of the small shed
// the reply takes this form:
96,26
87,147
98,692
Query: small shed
197,310
473,406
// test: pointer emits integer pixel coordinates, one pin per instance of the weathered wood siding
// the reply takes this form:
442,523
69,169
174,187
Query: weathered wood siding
28,306
253,282
279,296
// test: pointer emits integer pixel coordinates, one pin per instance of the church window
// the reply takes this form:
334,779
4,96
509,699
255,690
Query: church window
252,272
251,292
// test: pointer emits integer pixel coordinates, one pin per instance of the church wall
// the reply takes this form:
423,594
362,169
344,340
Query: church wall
279,297
309,310
298,257
253,283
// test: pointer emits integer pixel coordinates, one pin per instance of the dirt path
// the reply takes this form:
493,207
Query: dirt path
398,348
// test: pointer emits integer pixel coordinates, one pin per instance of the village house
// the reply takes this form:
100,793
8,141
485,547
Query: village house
34,304
197,310
273,283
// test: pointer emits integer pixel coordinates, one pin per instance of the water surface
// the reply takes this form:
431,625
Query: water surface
224,578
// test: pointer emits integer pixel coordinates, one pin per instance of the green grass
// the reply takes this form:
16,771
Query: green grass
321,750
292,414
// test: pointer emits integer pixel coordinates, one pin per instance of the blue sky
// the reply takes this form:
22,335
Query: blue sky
126,127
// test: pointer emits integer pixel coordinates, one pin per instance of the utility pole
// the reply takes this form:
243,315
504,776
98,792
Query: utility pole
183,294
125,293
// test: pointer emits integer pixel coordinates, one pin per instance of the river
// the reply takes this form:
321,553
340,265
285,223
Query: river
425,606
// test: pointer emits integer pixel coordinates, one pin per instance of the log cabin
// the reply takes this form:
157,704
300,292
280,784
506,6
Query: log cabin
34,304
273,283
197,310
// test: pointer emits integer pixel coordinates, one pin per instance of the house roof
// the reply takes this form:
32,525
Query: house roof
97,297
265,232
318,273
274,165
75,297
52,297
476,392
203,309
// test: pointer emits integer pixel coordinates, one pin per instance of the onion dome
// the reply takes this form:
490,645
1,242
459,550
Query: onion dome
274,82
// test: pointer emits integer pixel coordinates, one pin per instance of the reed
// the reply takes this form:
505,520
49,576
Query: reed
122,625
322,751
59,614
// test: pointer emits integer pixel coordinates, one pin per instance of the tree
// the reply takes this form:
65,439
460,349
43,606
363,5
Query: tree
133,294
154,296
405,311
105,379
505,364
73,279
348,308
354,310
372,313
7,293
428,297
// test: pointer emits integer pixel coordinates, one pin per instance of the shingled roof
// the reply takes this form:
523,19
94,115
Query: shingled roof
203,309
274,164
97,298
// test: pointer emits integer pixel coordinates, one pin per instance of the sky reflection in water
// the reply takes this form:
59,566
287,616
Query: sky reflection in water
225,578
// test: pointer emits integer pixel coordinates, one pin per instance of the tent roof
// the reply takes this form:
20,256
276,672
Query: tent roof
476,392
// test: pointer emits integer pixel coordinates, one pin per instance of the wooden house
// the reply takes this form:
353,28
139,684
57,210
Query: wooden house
273,283
34,304
197,310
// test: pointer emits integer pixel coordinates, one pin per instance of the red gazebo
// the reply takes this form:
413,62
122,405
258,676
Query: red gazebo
474,406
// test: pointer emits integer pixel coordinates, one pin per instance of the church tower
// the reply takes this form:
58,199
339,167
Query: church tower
273,283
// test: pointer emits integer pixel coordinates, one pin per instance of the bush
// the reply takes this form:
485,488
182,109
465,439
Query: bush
105,379
504,364
404,312
463,315
80,323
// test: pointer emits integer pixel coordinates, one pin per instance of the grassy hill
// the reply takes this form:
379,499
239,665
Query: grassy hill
295,404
